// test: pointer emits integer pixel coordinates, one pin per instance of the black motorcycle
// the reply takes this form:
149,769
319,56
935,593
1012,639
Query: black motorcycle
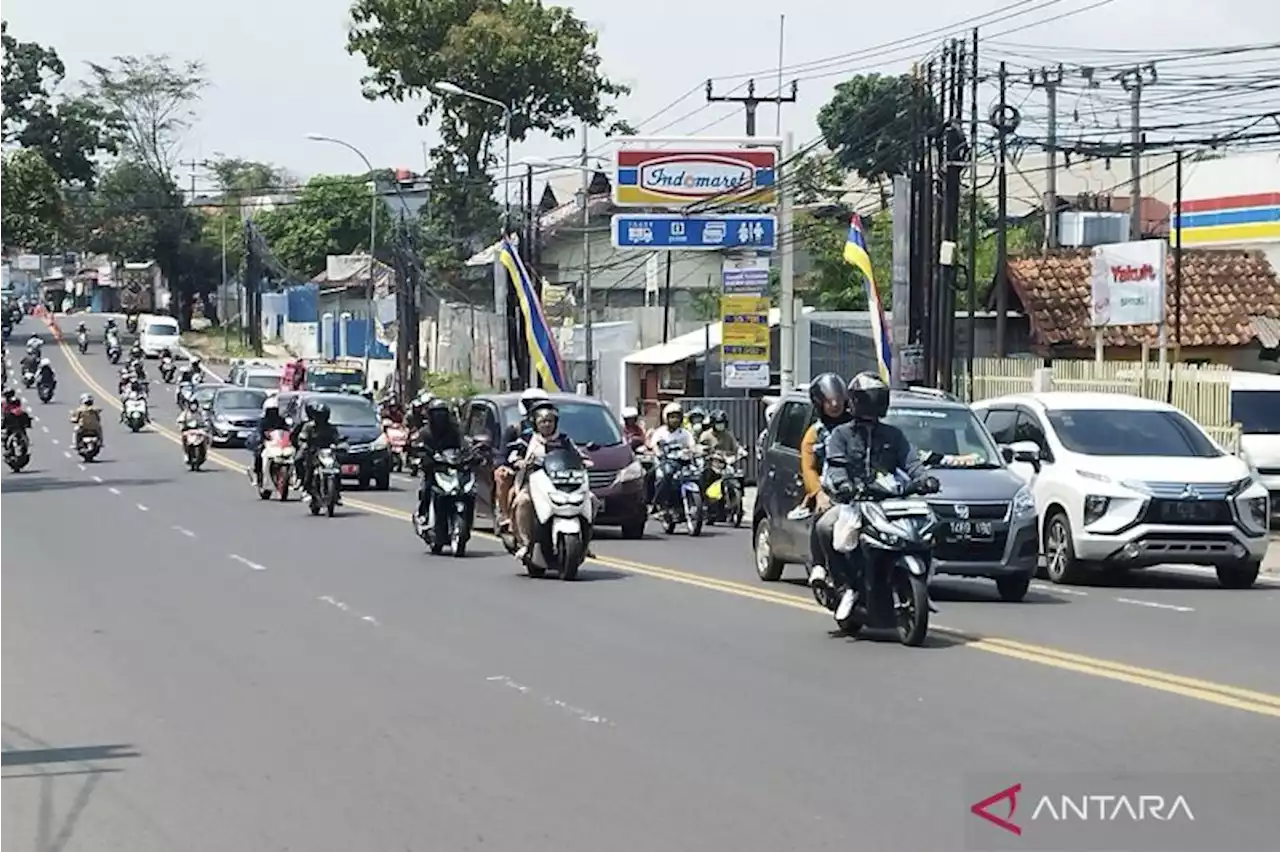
17,450
326,479
113,350
45,387
167,369
681,470
452,503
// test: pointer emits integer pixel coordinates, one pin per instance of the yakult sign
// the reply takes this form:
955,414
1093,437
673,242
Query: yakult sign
1127,283
655,178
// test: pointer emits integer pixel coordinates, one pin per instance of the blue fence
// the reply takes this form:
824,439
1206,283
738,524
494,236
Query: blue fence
344,337
303,303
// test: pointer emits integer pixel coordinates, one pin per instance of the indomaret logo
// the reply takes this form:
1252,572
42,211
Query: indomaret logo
1082,807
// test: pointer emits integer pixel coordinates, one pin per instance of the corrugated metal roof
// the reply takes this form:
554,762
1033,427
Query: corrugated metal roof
1267,330
688,345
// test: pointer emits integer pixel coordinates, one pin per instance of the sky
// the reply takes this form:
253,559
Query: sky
278,69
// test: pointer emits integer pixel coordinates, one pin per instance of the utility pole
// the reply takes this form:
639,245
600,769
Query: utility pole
588,341
972,255
1134,80
193,165
1005,120
751,102
1049,79
787,269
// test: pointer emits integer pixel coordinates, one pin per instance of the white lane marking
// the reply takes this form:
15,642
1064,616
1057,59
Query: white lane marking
1210,573
577,712
82,467
114,490
142,508
67,453
254,565
1156,605
45,429
370,619
97,479
334,602
35,418
55,441
1045,587
188,533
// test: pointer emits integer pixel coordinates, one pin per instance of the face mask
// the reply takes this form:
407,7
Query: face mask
720,427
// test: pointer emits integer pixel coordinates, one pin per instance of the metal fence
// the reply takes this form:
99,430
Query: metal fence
746,419
841,344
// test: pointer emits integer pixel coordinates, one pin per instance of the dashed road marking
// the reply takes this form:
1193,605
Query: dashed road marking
254,565
1156,605
188,533
1045,587
67,453
114,490
45,429
97,479
142,508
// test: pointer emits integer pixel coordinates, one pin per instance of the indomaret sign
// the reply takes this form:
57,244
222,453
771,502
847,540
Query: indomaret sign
666,178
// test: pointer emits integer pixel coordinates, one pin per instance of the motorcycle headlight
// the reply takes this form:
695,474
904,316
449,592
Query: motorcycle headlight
379,443
630,473
1023,502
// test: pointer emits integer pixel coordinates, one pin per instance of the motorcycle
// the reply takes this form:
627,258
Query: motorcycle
135,413
893,536
277,466
28,376
195,445
7,330
45,388
82,341
88,446
397,438
325,480
683,468
724,494
452,504
186,393
565,513
131,323
167,369
17,450
113,350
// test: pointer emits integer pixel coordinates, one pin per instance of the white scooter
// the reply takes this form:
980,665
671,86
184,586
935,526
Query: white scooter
565,511
135,412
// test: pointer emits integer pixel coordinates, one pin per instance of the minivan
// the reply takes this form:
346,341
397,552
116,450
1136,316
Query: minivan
157,333
1255,405
986,515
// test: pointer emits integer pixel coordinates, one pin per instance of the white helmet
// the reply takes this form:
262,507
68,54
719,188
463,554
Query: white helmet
672,408
532,397
86,399
630,413
45,362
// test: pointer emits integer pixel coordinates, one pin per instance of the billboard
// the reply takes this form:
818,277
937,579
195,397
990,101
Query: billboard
658,178
1126,283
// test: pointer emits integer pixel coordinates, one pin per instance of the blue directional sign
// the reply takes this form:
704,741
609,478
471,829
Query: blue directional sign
670,231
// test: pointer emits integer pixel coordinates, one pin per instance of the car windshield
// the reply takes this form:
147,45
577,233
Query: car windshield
951,431
162,330
584,422
206,394
353,411
323,380
1122,432
240,399
266,381
1257,411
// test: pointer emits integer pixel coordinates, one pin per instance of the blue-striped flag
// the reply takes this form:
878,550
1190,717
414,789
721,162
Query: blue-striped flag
542,345
855,254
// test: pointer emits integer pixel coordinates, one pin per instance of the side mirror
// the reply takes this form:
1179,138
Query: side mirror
1027,452
484,440
591,446
288,421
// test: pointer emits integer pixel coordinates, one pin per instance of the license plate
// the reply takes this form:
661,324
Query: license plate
350,468
965,530
1189,510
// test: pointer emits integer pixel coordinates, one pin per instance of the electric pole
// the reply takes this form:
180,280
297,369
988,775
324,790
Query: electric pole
1005,119
1049,79
1134,80
193,165
751,102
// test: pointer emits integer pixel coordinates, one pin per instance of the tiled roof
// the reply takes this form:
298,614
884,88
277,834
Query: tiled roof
1223,292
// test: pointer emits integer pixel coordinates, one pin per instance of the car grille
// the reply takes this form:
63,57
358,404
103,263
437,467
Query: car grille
971,551
601,478
1177,490
1269,471
1188,512
976,511
242,423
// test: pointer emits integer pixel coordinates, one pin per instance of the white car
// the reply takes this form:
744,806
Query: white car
157,333
1122,482
1255,405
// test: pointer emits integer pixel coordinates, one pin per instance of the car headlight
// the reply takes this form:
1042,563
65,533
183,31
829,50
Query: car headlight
629,473
379,443
1023,502
1259,511
222,423
1095,506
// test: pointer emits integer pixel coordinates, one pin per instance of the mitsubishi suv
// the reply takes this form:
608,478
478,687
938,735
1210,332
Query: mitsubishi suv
1122,482
986,514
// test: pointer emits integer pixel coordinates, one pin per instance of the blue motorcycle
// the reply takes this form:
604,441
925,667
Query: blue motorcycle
680,488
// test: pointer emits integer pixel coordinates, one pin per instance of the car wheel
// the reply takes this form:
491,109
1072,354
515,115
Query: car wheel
634,530
1242,575
767,567
1061,565
383,482
1013,589
364,483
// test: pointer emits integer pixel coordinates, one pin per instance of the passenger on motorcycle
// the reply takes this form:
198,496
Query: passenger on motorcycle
671,431
504,473
31,360
272,421
314,433
718,438
439,433
856,451
127,377
87,420
633,431
34,345
546,437
830,398
696,422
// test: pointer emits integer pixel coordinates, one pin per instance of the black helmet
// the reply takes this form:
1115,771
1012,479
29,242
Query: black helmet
826,387
868,397
540,409
438,410
319,412
719,416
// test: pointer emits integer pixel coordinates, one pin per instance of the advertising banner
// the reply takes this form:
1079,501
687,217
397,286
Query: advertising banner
744,323
1126,283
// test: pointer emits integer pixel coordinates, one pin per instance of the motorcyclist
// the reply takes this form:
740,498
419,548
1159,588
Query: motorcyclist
81,328
504,473
134,392
17,420
546,436
272,420
31,359
297,374
440,432
633,431
392,409
860,449
136,353
127,378
193,372
34,344
110,331
672,431
189,416
87,420
416,417
696,422
830,397
314,433
718,438
44,374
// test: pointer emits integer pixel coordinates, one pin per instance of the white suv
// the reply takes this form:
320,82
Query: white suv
1123,482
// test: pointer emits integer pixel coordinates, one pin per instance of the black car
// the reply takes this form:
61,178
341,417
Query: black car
987,515
235,416
367,457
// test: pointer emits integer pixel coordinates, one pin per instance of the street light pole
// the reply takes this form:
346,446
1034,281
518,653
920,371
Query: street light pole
444,87
373,235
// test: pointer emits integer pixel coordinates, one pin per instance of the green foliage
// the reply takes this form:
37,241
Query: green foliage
330,216
154,99
871,121
832,284
450,385
33,209
237,177
68,132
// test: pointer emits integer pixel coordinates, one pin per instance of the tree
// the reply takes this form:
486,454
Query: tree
68,132
32,210
330,216
833,284
237,177
153,98
872,121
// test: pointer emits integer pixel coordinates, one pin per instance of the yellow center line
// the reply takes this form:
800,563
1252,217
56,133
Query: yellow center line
1251,701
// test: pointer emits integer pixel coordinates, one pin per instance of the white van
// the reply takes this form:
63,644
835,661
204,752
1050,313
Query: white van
1255,405
156,333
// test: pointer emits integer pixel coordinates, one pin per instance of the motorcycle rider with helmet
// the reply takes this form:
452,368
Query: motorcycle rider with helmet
440,432
110,330
45,375
272,421
696,422
87,420
17,420
633,431
504,473
830,397
193,372
856,451
671,431
718,438
313,434
546,437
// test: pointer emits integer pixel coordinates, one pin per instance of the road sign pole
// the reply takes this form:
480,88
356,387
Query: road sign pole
787,270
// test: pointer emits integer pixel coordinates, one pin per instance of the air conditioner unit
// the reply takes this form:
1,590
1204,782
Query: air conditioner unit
1085,229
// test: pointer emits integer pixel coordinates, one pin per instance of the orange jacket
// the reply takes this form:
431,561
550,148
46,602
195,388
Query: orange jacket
810,473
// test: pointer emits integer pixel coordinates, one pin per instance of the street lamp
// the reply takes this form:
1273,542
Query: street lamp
588,336
373,233
444,87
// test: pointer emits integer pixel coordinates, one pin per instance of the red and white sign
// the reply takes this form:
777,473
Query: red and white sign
1126,283
654,178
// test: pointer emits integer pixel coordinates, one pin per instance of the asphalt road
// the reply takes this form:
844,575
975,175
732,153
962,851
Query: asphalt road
186,667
